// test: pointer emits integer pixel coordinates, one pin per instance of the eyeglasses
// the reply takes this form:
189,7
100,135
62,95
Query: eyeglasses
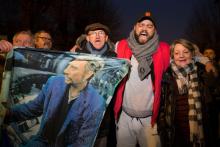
45,38
95,33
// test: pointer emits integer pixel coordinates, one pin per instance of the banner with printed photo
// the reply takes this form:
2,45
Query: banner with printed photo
25,82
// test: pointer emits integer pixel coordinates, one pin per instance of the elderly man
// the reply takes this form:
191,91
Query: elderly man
71,108
23,39
43,40
95,41
20,39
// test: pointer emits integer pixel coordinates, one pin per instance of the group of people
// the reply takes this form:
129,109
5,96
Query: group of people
41,39
163,101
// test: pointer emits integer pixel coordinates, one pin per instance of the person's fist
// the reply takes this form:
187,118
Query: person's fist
5,46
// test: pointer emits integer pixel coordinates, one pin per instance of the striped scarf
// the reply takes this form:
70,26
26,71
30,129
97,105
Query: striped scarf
187,81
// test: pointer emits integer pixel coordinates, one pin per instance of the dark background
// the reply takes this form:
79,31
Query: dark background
196,20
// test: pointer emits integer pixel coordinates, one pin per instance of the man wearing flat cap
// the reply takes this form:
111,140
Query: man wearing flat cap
95,41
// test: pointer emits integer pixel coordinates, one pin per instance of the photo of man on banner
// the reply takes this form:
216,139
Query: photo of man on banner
71,105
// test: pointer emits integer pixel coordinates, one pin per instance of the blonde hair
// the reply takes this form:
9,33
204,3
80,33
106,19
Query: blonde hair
187,44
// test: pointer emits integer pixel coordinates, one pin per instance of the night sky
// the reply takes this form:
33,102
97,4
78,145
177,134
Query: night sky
172,16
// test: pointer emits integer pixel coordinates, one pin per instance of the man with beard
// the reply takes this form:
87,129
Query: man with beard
71,108
138,95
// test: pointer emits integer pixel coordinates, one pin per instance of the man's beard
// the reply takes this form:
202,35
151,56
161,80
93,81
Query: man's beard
74,85
143,33
77,84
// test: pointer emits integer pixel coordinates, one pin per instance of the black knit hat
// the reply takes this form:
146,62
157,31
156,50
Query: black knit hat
146,18
97,26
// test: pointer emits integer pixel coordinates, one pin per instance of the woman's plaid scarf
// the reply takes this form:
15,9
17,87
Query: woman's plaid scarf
187,81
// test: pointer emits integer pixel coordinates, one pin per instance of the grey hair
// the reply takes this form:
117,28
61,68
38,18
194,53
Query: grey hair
28,32
95,66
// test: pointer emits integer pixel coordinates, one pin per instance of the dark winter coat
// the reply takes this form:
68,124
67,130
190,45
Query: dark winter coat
83,49
166,127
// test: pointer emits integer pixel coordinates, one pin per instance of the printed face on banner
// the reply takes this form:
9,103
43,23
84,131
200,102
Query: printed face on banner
76,73
45,77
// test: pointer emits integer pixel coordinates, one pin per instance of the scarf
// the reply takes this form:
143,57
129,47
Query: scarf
187,82
95,51
143,53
